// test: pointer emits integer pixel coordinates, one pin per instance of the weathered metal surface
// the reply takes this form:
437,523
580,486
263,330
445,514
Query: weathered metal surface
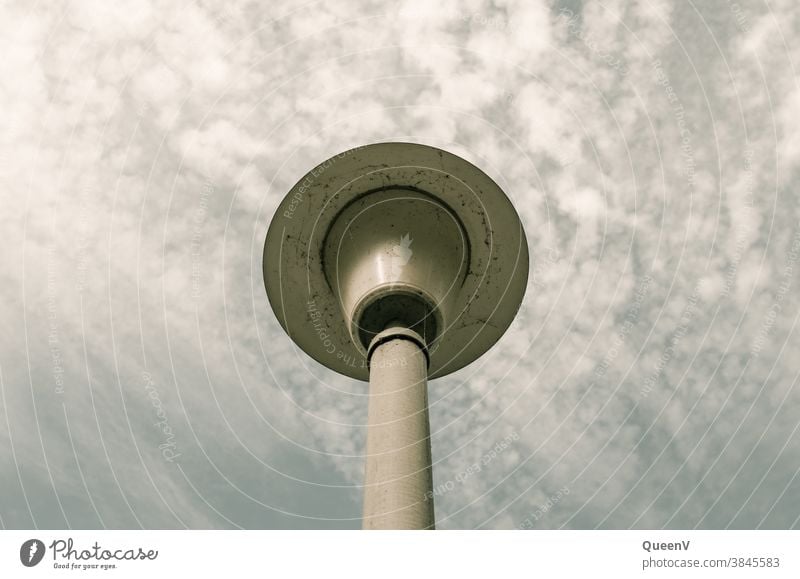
395,217
398,480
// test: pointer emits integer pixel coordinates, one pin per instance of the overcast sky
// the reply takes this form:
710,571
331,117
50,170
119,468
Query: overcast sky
652,149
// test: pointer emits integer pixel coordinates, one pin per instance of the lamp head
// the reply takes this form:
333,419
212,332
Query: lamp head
395,233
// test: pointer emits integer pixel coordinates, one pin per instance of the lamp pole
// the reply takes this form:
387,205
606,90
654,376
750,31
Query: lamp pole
398,481
396,263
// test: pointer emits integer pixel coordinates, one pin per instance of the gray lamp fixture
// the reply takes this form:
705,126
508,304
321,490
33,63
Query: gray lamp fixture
395,263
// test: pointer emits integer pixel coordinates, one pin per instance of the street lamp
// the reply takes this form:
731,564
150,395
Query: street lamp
396,263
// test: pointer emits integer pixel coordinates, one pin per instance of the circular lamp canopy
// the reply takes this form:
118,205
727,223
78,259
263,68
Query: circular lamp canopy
395,234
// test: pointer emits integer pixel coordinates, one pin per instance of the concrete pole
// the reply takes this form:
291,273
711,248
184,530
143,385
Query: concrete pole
398,485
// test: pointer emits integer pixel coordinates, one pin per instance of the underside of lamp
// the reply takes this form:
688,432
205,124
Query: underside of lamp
395,234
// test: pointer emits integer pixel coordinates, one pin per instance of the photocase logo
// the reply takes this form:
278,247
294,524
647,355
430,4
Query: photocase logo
401,253
31,552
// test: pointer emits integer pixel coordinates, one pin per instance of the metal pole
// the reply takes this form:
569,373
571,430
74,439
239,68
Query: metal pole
398,480
415,236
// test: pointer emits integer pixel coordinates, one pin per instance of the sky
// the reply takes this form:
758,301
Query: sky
651,148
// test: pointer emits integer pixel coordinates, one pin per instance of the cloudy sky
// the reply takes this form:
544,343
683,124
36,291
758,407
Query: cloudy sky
652,149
